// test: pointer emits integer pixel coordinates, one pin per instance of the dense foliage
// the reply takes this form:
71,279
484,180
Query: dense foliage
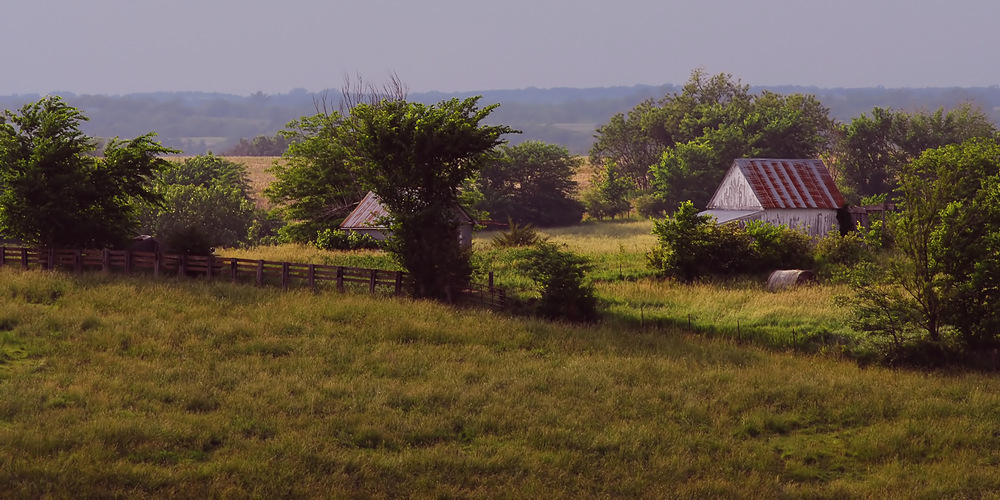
315,188
693,246
681,146
56,191
871,151
416,157
942,285
531,183
560,277
206,204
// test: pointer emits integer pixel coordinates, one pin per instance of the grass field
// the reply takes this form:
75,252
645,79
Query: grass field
114,386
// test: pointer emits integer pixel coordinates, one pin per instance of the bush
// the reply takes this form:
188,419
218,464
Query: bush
778,247
650,205
517,236
694,246
335,239
835,253
560,277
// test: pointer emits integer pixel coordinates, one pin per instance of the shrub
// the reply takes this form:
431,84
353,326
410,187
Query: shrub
835,253
560,277
517,236
335,239
778,247
650,205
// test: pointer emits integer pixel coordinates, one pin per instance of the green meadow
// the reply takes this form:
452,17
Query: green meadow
115,386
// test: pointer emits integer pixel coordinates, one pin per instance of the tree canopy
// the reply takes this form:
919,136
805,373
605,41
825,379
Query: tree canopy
682,145
416,157
56,191
873,150
531,183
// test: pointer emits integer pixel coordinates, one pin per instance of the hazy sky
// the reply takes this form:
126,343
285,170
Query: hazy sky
274,46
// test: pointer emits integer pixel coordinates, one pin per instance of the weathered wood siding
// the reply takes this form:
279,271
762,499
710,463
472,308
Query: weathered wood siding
815,222
735,193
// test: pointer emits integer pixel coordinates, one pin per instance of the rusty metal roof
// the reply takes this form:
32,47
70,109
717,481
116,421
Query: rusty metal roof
369,214
789,183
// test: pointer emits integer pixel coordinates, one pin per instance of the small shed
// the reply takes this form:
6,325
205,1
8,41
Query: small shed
794,193
370,215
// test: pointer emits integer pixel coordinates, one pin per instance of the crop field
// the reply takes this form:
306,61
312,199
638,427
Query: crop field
114,386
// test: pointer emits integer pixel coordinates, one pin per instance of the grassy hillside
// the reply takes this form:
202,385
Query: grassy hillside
115,386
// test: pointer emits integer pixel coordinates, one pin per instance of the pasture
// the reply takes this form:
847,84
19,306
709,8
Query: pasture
114,386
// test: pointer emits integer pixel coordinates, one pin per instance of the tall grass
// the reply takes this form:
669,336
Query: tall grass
144,387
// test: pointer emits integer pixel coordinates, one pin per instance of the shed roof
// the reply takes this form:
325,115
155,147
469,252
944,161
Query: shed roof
371,213
784,183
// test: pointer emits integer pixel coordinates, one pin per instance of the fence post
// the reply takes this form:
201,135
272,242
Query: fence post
371,283
234,266
52,259
260,272
399,282
128,262
24,258
311,276
78,261
3,256
211,263
182,265
491,279
340,278
156,264
284,275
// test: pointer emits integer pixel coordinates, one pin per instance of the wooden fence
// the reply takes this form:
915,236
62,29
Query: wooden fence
260,271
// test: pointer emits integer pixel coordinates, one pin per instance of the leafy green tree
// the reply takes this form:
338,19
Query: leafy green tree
206,203
682,145
416,157
316,187
947,235
55,191
531,183
872,150
608,194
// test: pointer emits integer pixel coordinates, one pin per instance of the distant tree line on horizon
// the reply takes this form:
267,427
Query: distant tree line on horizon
199,122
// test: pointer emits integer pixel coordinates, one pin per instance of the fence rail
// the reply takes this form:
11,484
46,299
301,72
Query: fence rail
215,267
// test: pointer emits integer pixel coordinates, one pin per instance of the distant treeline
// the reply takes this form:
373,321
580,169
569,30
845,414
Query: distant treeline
198,122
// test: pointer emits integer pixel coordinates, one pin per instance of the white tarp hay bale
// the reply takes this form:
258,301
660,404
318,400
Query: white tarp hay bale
788,278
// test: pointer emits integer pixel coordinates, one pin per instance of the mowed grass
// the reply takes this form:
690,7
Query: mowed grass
113,386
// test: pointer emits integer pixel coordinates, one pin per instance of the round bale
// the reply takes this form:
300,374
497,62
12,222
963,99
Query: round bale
788,278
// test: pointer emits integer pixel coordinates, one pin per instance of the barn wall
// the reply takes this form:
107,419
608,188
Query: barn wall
815,222
378,234
734,193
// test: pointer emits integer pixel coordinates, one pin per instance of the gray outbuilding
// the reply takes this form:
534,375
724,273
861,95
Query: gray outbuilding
795,193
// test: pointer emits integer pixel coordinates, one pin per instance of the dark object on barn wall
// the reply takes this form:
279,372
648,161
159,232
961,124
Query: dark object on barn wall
789,278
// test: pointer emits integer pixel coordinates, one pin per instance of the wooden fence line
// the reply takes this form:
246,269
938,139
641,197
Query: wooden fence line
216,267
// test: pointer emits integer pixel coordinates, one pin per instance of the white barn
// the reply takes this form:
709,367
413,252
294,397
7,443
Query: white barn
368,217
794,193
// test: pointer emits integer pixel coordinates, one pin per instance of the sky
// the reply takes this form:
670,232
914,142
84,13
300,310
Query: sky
241,47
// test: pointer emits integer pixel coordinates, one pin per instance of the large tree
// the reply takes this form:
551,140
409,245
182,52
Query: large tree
416,157
315,187
946,275
532,183
56,191
682,145
206,203
871,151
